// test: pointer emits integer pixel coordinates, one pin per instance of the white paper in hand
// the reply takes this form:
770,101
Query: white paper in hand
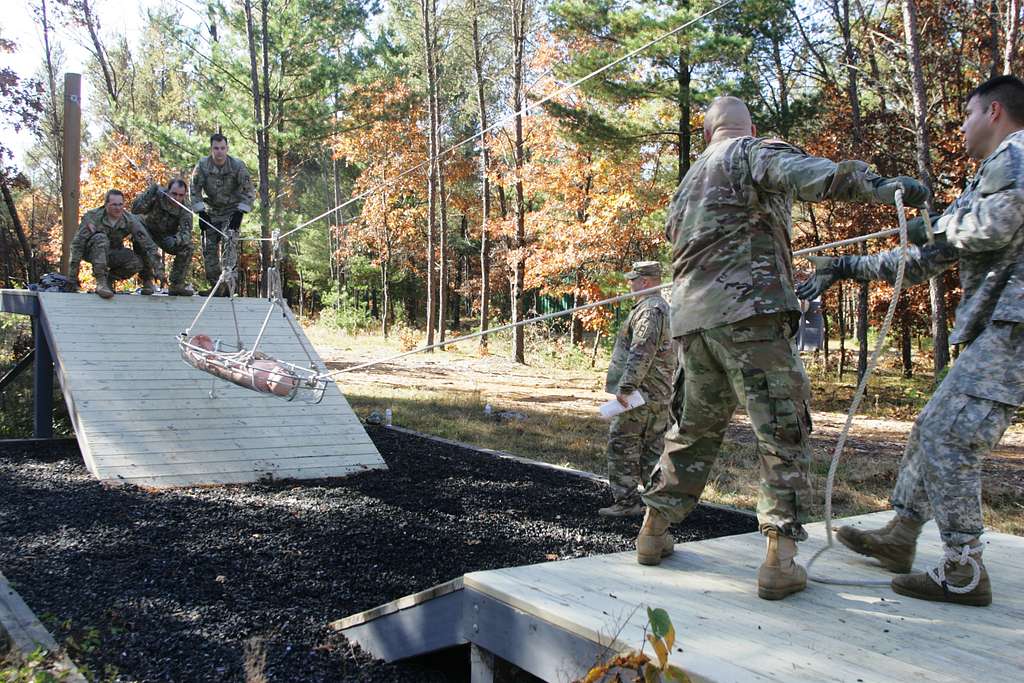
612,408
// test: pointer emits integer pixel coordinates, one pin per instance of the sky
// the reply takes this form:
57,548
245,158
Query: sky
18,23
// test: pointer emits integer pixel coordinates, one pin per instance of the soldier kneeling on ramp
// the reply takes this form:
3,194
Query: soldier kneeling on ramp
100,241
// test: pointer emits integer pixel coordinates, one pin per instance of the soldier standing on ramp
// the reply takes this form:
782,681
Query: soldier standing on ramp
222,192
643,360
734,312
170,226
100,241
940,474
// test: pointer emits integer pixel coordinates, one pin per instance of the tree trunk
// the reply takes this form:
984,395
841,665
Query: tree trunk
862,323
261,144
906,346
685,106
841,314
19,231
519,279
428,10
936,289
485,183
1012,26
993,38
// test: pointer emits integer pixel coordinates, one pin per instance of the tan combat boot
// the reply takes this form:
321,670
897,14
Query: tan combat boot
654,541
148,287
779,575
960,578
103,289
893,545
622,508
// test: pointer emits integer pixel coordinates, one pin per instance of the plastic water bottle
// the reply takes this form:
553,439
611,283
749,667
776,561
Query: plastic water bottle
387,417
488,410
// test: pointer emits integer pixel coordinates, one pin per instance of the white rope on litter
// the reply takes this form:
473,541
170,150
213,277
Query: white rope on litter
855,404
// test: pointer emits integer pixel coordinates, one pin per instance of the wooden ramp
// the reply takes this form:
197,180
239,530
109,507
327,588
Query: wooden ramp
143,416
553,619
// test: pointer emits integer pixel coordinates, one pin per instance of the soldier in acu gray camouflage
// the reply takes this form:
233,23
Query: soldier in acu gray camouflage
642,360
734,312
983,231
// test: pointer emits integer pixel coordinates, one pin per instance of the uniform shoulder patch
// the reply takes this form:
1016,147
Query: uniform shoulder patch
1002,170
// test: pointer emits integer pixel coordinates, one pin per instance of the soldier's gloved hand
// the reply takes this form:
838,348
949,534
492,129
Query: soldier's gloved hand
827,271
914,192
236,221
917,231
204,220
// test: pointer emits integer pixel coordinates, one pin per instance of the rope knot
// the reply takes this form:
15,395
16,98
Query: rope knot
961,556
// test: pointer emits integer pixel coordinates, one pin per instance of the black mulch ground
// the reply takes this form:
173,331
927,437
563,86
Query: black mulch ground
171,586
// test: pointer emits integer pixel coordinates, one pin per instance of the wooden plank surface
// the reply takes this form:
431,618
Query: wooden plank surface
826,633
142,415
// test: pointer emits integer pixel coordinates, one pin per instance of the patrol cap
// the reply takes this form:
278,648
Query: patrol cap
644,269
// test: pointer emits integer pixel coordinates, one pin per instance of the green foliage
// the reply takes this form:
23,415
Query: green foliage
344,312
37,667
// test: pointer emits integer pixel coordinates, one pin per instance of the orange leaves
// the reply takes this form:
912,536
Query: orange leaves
125,166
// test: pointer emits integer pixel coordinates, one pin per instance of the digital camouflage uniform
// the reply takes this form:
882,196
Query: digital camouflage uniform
170,226
105,250
734,311
973,406
220,191
642,360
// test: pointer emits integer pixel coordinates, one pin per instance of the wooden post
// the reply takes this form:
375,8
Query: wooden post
72,162
42,383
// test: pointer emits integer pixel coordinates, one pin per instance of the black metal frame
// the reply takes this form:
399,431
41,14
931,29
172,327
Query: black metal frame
22,302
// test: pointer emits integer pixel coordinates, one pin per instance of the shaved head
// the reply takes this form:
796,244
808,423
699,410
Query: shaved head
727,117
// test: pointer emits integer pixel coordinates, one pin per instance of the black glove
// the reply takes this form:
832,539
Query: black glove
204,220
917,231
914,192
827,271
236,221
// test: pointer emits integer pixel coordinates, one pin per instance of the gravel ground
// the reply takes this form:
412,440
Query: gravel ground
199,584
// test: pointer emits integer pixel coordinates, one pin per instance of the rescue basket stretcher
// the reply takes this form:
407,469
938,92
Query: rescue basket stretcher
252,369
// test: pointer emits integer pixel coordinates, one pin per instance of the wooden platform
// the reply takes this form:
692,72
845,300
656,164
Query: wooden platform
552,619
143,416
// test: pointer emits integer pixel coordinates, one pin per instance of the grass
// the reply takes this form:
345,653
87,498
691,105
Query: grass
576,438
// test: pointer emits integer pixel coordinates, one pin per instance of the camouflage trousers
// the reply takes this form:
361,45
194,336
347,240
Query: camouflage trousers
219,252
635,441
940,474
750,362
169,244
120,263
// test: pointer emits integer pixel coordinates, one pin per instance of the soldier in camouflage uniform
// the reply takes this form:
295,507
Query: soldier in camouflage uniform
734,312
643,360
100,241
170,226
222,192
940,475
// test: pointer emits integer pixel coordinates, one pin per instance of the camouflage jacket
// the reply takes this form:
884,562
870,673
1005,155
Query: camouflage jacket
730,228
162,217
983,231
643,357
222,189
116,232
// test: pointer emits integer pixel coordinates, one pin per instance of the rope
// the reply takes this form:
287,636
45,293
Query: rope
855,404
958,556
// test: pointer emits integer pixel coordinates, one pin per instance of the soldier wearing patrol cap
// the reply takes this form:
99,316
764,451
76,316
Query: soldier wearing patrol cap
643,360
